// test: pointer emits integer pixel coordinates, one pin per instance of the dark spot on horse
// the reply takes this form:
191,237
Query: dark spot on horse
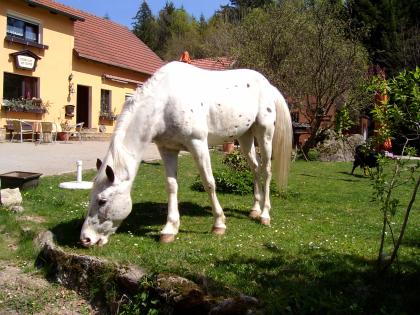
248,85
202,104
192,111
269,109
274,123
236,85
230,136
240,115
236,126
247,125
218,104
249,120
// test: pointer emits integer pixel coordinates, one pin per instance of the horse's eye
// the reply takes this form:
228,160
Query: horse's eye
101,202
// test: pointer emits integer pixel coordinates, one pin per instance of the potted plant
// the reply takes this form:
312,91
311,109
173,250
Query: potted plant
107,115
69,110
34,105
64,134
228,147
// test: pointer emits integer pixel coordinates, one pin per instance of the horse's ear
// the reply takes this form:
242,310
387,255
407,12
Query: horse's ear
110,173
98,164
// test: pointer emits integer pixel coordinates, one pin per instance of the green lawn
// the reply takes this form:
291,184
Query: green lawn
318,256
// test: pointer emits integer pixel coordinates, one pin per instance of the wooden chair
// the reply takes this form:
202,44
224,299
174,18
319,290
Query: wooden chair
21,127
48,128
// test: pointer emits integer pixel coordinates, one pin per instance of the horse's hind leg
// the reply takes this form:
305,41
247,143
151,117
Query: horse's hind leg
200,152
170,159
265,138
248,150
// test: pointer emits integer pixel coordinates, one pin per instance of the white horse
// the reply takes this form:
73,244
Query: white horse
182,107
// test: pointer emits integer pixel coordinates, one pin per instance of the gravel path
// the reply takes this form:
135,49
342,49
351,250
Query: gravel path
57,158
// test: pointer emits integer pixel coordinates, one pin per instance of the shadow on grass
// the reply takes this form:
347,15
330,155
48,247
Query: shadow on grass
145,216
337,178
68,233
142,221
412,240
324,282
355,175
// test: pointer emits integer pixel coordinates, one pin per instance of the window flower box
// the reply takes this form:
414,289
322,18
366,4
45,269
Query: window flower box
34,105
109,116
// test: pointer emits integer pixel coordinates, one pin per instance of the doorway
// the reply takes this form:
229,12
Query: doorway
83,110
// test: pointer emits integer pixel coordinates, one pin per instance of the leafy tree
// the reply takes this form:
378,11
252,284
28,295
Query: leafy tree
164,21
391,37
185,34
145,26
238,9
218,39
306,51
400,108
399,113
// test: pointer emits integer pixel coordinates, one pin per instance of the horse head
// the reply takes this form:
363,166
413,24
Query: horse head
110,203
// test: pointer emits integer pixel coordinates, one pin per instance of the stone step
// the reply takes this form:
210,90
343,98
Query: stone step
93,136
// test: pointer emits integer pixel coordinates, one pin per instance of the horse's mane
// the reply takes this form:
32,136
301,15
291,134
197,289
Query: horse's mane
118,156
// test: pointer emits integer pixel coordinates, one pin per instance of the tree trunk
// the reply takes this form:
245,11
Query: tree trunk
313,138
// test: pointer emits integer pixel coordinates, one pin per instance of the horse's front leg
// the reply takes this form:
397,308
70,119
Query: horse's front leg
171,228
200,151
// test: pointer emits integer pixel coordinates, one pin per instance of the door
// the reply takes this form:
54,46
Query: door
83,108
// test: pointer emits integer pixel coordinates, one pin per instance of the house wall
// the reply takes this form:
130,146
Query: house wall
302,117
90,74
57,62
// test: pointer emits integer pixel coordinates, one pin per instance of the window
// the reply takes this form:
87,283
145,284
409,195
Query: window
105,101
22,29
19,86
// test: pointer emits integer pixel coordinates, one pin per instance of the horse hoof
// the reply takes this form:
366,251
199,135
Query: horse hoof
265,221
254,214
218,230
167,238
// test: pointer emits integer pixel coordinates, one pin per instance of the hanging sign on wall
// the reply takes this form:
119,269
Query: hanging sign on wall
25,60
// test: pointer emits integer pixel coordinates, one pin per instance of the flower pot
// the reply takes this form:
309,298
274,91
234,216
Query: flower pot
228,147
69,109
63,136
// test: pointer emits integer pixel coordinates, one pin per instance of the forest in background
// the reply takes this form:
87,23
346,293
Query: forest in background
317,52
388,29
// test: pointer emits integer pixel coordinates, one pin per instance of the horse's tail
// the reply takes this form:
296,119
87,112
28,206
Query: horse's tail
282,141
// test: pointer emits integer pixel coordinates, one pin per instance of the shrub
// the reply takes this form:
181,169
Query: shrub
236,161
229,181
236,178
313,155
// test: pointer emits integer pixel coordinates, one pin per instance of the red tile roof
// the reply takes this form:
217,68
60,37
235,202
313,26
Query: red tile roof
55,8
104,41
217,63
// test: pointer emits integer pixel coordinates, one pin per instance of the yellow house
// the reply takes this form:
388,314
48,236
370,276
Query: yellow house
60,64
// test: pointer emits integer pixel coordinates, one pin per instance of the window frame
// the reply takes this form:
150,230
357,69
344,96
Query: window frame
109,105
26,23
34,88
